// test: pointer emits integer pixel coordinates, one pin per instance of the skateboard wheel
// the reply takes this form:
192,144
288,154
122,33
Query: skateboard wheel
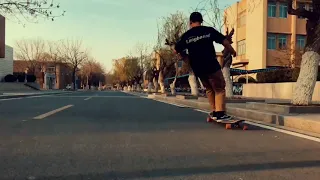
245,127
228,126
209,120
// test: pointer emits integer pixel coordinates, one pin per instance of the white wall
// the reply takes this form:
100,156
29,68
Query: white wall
275,90
6,64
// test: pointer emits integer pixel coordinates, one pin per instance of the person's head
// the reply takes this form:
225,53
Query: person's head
195,19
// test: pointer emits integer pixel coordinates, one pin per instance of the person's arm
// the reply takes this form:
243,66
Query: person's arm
222,39
180,45
228,46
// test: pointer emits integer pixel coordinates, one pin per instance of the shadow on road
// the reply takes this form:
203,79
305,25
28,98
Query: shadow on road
156,173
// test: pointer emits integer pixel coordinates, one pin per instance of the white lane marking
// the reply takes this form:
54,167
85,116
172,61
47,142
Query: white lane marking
179,105
203,111
30,97
52,112
86,99
11,99
133,97
285,131
138,95
275,129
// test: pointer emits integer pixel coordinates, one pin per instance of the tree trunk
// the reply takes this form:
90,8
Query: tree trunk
56,78
161,82
155,83
304,87
193,84
149,87
229,85
201,85
74,79
173,86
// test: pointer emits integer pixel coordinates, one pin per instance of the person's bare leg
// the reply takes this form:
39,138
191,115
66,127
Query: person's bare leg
211,98
210,95
217,82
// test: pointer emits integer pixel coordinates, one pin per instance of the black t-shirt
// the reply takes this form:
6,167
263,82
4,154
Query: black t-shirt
199,43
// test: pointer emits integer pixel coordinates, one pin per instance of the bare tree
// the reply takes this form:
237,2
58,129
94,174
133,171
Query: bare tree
287,57
33,52
302,94
75,55
30,10
172,27
92,72
142,51
214,13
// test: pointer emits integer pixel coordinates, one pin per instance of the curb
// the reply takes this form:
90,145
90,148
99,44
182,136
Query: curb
295,123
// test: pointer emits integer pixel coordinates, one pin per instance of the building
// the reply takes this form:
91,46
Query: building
6,52
265,35
6,63
49,75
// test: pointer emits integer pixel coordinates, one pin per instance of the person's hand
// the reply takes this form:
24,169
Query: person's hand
234,54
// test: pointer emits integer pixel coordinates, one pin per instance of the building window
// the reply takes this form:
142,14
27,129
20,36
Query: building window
271,41
272,9
242,19
301,41
241,49
282,41
283,11
50,69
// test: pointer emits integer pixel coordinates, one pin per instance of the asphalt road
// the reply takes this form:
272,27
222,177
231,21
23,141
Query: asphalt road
113,135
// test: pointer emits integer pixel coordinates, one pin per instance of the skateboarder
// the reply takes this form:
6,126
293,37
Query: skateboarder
198,41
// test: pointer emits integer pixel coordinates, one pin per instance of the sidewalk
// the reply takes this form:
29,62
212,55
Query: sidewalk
10,95
308,124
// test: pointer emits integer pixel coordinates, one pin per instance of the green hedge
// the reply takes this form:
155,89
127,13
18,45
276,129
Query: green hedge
281,75
244,80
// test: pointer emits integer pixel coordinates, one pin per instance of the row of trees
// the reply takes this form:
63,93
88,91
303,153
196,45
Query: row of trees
38,53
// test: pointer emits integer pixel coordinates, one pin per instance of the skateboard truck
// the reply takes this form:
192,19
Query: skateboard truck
229,124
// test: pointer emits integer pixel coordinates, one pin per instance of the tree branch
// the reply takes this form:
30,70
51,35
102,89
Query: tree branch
313,16
33,9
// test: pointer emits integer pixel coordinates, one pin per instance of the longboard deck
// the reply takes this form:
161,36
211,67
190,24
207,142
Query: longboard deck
229,124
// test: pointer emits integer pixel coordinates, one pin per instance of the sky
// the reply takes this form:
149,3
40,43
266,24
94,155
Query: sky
110,29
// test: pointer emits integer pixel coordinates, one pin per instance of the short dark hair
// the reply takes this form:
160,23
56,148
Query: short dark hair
196,17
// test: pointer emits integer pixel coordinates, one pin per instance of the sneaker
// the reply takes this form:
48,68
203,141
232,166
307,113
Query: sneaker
213,115
224,118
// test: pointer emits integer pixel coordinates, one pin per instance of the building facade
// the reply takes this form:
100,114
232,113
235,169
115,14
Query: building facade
49,75
6,52
6,63
265,34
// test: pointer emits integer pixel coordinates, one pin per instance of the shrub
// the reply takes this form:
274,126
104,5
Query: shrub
31,78
21,78
244,80
281,75
10,78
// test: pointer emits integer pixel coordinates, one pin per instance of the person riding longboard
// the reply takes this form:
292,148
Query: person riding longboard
198,41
